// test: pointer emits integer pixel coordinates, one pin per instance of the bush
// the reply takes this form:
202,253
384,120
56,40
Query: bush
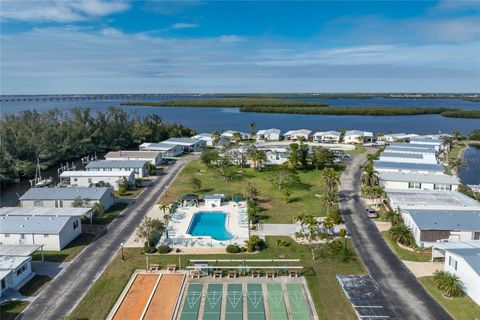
342,232
282,243
121,190
164,249
233,248
254,243
149,248
299,235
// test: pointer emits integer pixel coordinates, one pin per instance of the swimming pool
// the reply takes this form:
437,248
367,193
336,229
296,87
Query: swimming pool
209,223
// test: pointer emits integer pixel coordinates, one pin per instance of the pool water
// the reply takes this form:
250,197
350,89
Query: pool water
209,223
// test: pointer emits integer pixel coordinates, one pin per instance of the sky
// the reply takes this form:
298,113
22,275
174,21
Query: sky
190,46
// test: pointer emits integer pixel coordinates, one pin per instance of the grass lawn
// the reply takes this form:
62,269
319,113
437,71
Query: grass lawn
355,151
35,285
69,252
403,254
330,301
10,310
461,308
111,213
270,198
132,193
456,150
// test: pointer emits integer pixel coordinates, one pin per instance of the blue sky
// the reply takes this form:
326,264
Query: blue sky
98,46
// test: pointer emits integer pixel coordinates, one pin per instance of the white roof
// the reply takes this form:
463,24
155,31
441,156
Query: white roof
44,211
269,131
20,250
418,177
298,132
33,224
157,146
100,164
181,141
203,136
431,199
113,173
327,133
65,193
358,133
8,263
133,154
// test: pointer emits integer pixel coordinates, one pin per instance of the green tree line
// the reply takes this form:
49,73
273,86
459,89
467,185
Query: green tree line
56,136
468,114
230,103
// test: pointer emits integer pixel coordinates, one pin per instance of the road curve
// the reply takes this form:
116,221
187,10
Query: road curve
70,286
406,295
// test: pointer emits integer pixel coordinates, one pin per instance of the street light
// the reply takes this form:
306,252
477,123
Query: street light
121,248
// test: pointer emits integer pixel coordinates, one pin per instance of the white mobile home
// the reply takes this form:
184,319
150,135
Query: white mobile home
187,144
431,200
395,149
393,137
53,232
356,136
431,226
276,157
268,135
64,197
154,157
229,134
408,157
387,166
168,150
207,137
462,260
15,266
302,134
139,167
419,181
327,136
436,143
90,178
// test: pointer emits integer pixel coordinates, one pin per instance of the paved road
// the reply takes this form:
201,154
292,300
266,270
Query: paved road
407,297
69,287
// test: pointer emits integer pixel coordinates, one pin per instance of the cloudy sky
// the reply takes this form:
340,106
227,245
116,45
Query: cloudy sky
100,46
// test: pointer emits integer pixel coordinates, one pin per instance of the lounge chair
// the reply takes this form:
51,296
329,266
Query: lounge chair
270,274
256,273
217,273
232,274
293,273
196,274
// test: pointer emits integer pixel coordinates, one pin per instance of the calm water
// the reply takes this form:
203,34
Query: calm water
209,119
471,173
211,224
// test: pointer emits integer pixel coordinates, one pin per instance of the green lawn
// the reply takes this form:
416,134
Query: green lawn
355,151
403,254
11,309
456,150
35,285
110,214
270,198
330,301
461,308
132,193
69,252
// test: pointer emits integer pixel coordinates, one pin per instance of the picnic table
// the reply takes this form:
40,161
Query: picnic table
217,273
293,272
270,273
154,267
171,267
232,274
195,274
256,273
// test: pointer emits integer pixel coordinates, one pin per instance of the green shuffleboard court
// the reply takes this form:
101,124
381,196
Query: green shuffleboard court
298,303
255,307
276,302
193,299
213,302
234,309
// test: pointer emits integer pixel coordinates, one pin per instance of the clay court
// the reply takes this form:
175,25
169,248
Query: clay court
166,296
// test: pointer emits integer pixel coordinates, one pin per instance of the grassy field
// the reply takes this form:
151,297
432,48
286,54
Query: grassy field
10,310
330,301
131,193
35,285
454,153
69,252
403,254
355,151
110,214
275,209
461,308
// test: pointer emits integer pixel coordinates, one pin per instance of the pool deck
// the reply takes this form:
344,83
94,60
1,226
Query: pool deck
179,225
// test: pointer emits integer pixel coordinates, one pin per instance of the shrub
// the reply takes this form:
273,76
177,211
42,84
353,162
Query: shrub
233,248
282,243
254,243
164,249
121,190
149,248
342,232
299,235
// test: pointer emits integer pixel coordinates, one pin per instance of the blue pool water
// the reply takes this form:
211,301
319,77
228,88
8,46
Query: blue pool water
209,223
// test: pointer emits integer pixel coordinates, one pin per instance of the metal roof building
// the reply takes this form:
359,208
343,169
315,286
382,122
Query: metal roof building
64,193
32,224
114,164
418,177
467,220
404,166
41,211
431,200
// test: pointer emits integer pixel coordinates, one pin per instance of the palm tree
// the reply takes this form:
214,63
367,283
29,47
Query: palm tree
455,164
312,224
257,157
401,234
215,137
253,129
236,137
327,223
457,135
449,283
300,218
97,209
330,178
329,199
448,143
394,217
164,207
369,175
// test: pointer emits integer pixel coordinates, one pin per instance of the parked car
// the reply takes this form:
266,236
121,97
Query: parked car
371,213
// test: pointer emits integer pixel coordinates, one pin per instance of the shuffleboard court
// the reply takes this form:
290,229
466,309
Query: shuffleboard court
137,297
276,302
234,309
298,303
193,298
213,302
162,305
255,307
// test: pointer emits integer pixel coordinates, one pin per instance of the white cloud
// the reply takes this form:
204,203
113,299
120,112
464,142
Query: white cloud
59,10
456,5
181,25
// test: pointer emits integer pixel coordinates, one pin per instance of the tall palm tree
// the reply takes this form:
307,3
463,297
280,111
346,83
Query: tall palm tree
401,234
253,129
215,137
329,199
257,157
448,143
449,283
164,207
330,178
455,164
300,218
369,175
97,209
457,135
394,217
328,224
236,137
